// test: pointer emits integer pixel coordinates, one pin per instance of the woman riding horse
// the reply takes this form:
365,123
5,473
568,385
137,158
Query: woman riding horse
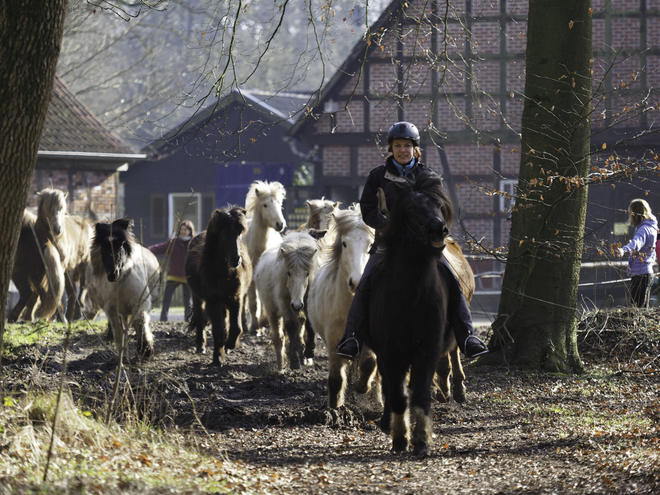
379,194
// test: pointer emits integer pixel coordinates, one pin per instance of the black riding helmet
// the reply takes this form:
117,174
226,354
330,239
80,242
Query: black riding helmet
403,130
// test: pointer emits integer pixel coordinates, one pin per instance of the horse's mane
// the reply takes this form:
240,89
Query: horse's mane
259,188
345,222
298,249
427,183
119,230
230,218
50,200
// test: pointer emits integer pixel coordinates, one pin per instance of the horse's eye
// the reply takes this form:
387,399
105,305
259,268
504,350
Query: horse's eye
307,274
288,274
265,206
343,243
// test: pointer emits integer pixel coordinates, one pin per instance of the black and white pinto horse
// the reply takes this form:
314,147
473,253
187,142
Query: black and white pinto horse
408,307
123,279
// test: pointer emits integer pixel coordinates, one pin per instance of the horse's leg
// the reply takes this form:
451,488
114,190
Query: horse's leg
394,378
336,380
235,323
252,308
71,300
442,378
198,322
145,339
275,323
120,334
217,313
310,336
293,328
367,367
25,293
421,380
458,376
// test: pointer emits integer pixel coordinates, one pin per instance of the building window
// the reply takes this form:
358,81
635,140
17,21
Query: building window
184,206
508,190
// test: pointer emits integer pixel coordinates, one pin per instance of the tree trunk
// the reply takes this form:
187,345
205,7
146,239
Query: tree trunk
537,317
30,41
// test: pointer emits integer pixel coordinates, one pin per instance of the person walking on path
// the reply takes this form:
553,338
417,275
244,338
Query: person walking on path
641,251
177,249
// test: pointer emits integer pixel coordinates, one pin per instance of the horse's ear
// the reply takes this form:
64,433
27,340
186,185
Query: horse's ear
317,234
123,223
335,204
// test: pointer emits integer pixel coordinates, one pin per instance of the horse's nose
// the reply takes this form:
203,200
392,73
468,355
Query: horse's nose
239,261
279,226
111,277
297,305
436,229
351,284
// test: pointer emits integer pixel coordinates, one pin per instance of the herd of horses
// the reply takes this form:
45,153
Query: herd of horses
246,274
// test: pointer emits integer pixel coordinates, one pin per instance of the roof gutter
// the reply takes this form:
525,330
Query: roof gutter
91,155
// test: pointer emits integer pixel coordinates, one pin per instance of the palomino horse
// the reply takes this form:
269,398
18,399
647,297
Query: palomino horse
219,273
450,362
282,277
408,308
319,214
332,290
264,209
69,236
123,278
40,287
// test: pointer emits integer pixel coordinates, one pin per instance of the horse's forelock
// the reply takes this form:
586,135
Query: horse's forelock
52,201
346,221
300,250
261,188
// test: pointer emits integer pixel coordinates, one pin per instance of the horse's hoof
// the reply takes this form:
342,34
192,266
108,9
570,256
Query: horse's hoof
421,449
399,444
295,365
460,397
217,363
308,362
146,353
201,350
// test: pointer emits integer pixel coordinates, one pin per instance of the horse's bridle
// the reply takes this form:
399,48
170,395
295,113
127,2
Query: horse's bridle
419,230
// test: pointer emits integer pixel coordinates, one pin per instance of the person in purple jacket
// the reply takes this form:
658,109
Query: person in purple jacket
641,251
177,249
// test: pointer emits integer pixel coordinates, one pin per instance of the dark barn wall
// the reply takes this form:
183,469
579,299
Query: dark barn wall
189,163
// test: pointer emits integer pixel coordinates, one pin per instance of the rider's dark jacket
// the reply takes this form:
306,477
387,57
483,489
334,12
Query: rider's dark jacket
384,177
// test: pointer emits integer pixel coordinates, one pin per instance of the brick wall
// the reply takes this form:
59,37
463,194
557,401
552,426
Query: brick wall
468,159
486,75
336,161
369,157
516,37
486,37
79,186
383,78
451,114
382,113
625,34
351,119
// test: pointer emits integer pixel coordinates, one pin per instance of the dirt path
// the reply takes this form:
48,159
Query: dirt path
518,433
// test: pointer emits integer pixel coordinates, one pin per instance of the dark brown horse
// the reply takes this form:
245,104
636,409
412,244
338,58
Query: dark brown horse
219,273
408,308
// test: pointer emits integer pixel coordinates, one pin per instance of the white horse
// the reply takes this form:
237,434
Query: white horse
331,293
264,209
282,277
123,278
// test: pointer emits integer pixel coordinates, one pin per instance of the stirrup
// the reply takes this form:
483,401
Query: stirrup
479,353
338,352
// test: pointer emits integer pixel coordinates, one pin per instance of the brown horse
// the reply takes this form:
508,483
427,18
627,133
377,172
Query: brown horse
408,309
219,272
64,241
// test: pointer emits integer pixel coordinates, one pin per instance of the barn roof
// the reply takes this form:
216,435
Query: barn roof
281,108
71,131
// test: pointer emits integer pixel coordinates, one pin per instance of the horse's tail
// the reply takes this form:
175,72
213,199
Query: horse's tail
53,282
